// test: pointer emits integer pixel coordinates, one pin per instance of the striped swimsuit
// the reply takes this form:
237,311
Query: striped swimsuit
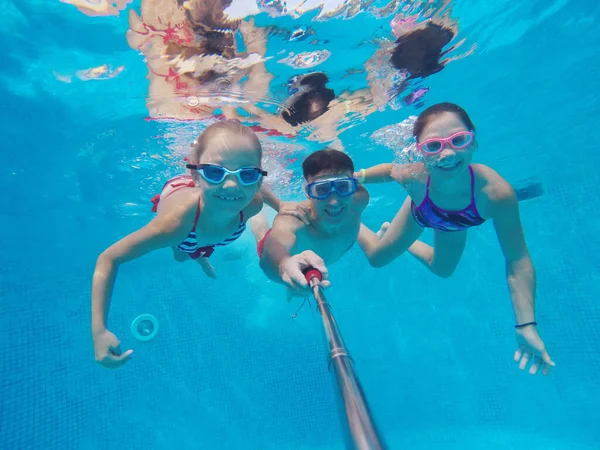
190,243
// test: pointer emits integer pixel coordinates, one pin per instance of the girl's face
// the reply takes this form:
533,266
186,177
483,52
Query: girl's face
231,151
456,155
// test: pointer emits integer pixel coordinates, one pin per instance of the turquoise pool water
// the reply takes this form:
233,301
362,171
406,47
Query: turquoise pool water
230,368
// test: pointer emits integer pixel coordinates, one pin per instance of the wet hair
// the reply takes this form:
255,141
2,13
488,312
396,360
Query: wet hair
326,160
419,51
229,126
314,80
434,110
312,103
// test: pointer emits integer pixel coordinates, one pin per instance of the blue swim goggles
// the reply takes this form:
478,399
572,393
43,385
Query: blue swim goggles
216,174
320,190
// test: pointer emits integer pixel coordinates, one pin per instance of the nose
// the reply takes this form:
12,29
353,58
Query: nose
333,199
447,152
231,182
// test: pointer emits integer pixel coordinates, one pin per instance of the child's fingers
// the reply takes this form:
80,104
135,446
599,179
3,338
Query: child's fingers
518,354
524,360
546,357
535,366
305,213
113,361
126,354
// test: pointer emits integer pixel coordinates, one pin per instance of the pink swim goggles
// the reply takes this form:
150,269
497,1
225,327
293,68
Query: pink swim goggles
457,141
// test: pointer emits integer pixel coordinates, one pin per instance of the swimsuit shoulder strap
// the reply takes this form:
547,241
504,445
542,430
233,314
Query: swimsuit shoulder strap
472,185
197,213
427,189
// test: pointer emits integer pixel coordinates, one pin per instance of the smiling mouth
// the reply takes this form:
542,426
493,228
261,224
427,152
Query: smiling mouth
335,213
449,167
228,198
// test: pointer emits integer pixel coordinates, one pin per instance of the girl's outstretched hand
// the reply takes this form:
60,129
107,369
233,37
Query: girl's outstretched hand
107,350
532,348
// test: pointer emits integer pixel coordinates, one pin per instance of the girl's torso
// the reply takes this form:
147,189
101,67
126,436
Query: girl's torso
463,209
180,193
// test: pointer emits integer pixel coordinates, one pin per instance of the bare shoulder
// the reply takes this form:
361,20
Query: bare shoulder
361,199
498,193
254,207
286,222
177,211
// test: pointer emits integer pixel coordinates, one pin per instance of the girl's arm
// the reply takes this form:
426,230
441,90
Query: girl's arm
401,234
520,273
270,198
404,174
161,232
300,210
255,206
381,173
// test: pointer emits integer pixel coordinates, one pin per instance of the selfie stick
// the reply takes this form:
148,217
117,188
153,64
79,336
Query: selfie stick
361,433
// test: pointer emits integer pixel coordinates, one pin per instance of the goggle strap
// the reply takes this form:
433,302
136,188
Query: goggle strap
264,173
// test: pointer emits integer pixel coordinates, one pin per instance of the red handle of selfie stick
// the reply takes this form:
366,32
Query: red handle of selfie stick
311,273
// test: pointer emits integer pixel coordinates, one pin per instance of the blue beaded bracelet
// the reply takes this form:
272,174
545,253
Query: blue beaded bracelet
525,324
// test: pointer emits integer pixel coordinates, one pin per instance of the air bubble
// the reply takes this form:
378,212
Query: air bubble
192,101
223,84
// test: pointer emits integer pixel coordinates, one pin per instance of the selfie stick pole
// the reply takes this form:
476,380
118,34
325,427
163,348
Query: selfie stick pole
361,431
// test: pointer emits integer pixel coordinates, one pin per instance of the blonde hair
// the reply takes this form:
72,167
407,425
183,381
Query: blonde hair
232,126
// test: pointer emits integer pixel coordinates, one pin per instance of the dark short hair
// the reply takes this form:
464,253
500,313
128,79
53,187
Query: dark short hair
419,51
326,160
437,109
312,102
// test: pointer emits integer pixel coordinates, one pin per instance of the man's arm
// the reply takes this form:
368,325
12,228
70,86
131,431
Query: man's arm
279,245
281,262
360,200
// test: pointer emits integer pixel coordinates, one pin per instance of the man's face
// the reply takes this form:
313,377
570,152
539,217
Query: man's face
333,209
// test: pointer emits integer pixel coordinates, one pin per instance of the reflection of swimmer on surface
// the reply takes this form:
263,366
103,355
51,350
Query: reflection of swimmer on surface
450,195
416,54
103,72
315,108
99,7
194,65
